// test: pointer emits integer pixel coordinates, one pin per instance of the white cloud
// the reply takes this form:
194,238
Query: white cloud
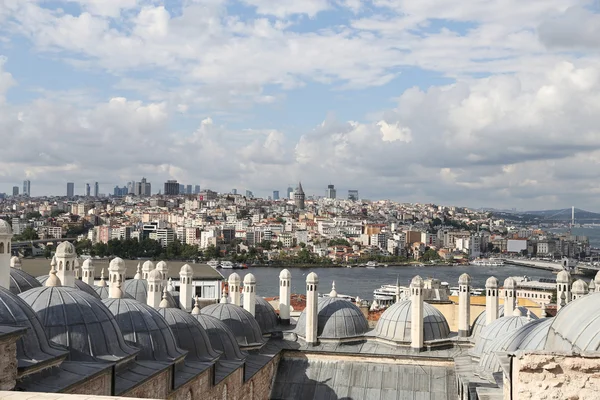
576,28
6,79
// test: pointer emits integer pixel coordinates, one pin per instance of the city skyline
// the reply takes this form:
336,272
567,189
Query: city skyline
485,105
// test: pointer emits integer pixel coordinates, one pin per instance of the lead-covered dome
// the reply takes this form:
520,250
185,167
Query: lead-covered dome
80,322
138,289
144,326
337,319
265,315
79,284
480,321
576,327
395,323
221,337
243,325
21,281
499,328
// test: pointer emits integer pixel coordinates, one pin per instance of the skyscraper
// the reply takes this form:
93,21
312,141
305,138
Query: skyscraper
87,190
96,189
196,189
188,189
299,197
181,188
290,190
233,191
27,188
353,195
15,190
171,188
330,194
275,194
70,189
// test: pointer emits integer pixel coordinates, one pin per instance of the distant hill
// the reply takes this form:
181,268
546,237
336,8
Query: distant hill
563,215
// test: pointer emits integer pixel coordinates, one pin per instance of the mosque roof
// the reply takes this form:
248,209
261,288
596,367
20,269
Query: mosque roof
138,288
499,328
480,321
265,315
576,326
221,337
243,325
395,323
104,292
79,284
21,281
337,319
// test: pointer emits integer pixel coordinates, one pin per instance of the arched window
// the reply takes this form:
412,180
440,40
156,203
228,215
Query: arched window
67,266
60,265
1,247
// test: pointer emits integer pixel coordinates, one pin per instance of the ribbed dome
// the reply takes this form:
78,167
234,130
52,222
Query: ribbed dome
337,319
499,328
21,281
243,325
265,315
576,327
79,284
531,336
138,289
33,346
221,337
103,292
395,323
144,326
5,228
190,334
480,321
79,321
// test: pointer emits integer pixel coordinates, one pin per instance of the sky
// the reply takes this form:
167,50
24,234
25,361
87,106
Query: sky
485,103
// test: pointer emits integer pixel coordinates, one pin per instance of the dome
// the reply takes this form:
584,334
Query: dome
147,266
531,336
395,323
464,279
221,338
33,347
285,274
79,284
186,270
249,279
138,289
416,281
65,249
576,326
234,278
5,228
103,292
491,282
75,319
155,275
21,281
499,328
510,283
337,319
87,264
579,286
312,278
243,325
480,321
265,315
144,326
116,264
189,334
563,277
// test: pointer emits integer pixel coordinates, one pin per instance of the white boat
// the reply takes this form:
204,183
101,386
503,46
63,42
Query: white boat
213,263
488,262
340,296
227,265
474,291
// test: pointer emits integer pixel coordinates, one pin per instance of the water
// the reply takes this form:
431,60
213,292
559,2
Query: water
361,281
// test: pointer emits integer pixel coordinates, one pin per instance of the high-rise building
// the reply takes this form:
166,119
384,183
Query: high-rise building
120,192
87,190
171,188
96,189
188,189
70,189
142,188
330,194
181,188
233,191
131,186
15,190
27,188
275,194
249,194
290,190
353,195
196,189
299,196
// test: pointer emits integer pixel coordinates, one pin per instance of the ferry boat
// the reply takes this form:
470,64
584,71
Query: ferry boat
227,265
374,264
214,263
434,290
474,291
488,262
340,296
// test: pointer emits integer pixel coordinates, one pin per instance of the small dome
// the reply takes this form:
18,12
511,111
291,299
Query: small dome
464,279
147,266
15,262
144,326
510,283
79,284
417,281
5,228
575,328
155,275
249,279
103,292
243,325
499,328
80,322
312,278
21,281
234,279
592,286
138,289
116,264
265,315
33,346
579,286
492,282
221,338
162,266
480,321
337,319
189,334
65,249
87,264
395,323
285,274
597,277
563,277
186,270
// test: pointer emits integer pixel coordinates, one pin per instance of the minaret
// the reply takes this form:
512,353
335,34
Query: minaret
397,290
138,272
250,293
491,300
87,272
464,304
163,268
146,268
285,282
15,262
563,289
543,313
234,289
510,296
154,288
65,259
5,252
185,288
416,313
116,274
312,280
299,197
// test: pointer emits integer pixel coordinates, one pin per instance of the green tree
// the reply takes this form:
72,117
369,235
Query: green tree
339,242
279,245
266,244
56,213
28,234
302,245
33,215
211,252
430,255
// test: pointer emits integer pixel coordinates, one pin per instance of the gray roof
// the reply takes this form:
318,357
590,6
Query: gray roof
79,284
480,321
337,319
243,325
104,292
395,323
75,319
265,315
189,334
21,281
576,327
221,337
144,326
33,347
138,288
499,328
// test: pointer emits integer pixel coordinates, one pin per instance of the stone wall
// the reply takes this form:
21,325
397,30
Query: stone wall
8,363
197,388
547,375
99,385
259,387
157,387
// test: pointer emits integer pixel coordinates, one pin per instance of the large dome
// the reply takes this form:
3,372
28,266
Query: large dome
499,328
138,288
144,326
480,321
5,228
79,321
576,327
33,347
190,334
79,284
395,323
337,319
221,338
21,281
243,325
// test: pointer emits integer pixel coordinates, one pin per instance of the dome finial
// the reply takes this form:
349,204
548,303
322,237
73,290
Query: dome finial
138,274
164,303
529,317
170,286
102,282
333,292
53,280
543,313
53,262
196,309
517,312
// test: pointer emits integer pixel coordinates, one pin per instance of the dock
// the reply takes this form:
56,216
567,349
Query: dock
548,266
